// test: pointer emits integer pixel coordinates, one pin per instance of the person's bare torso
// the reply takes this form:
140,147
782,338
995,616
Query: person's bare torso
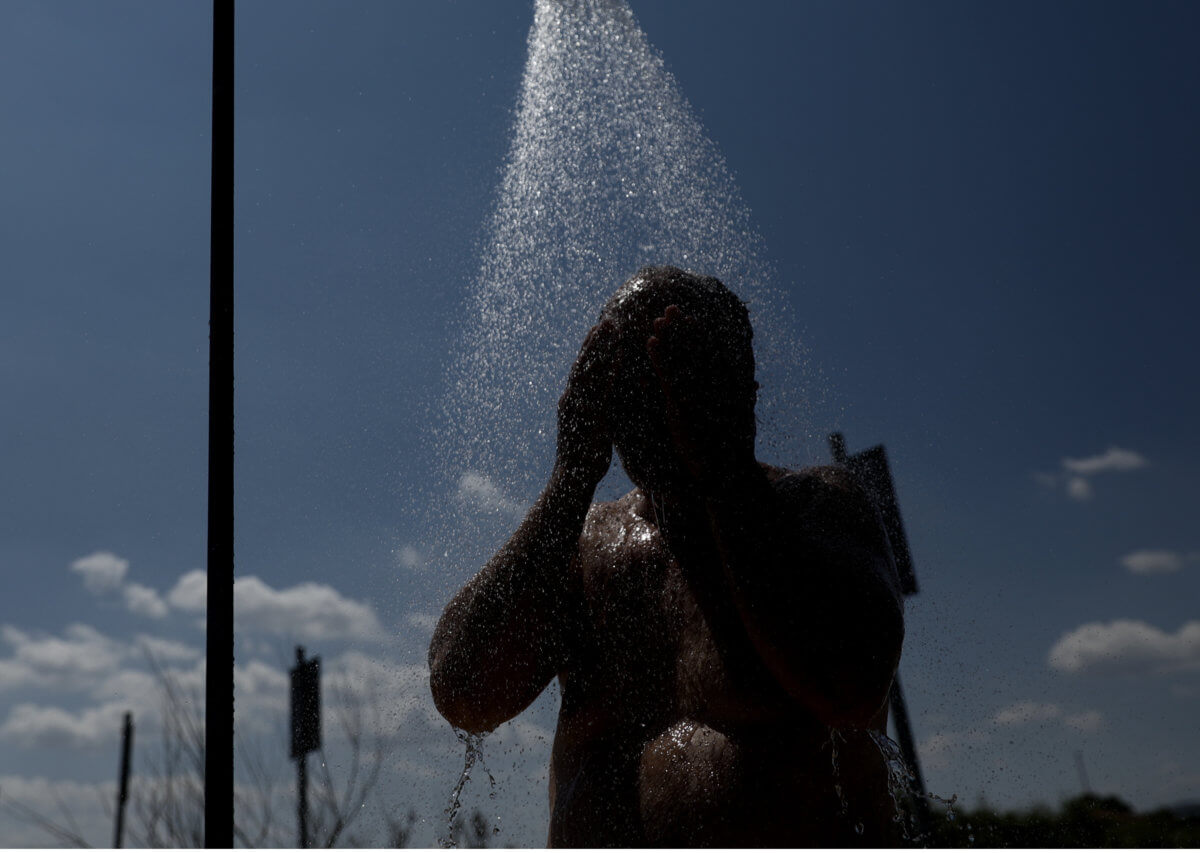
668,737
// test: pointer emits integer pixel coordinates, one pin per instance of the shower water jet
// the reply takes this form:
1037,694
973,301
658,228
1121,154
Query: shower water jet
609,171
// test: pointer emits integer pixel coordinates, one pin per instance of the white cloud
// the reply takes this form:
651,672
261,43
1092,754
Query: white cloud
938,750
307,611
73,660
1087,721
1079,488
144,601
191,591
1152,562
15,673
1126,645
164,650
102,571
137,689
423,622
311,611
479,491
1050,481
1113,459
1075,473
37,725
410,558
1026,712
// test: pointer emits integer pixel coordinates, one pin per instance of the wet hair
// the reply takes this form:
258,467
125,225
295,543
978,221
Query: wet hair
726,364
645,297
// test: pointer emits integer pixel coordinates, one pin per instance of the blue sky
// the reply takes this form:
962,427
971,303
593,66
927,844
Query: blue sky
981,217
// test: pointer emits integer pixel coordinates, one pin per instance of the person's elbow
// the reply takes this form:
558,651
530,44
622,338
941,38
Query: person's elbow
457,698
857,685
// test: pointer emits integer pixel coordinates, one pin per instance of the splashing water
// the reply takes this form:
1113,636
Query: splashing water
902,786
474,753
834,737
609,171
902,782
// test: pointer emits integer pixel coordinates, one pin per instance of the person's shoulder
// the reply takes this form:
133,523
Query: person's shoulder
609,521
827,497
604,513
815,480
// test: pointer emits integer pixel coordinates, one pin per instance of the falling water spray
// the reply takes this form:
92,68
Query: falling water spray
609,171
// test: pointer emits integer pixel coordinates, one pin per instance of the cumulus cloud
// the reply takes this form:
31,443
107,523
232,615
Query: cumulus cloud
144,601
311,611
938,750
1026,712
191,591
1153,562
308,611
164,650
35,725
1087,721
1126,645
1079,488
482,493
423,622
410,558
1113,459
1074,475
76,658
102,571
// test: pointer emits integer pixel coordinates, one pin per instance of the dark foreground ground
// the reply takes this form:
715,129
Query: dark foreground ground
1085,821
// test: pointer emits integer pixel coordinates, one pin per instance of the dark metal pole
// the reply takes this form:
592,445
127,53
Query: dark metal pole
218,753
306,728
1081,769
123,787
302,787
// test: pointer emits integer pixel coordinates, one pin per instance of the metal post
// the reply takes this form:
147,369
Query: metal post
1081,769
218,753
306,728
123,785
302,796
871,470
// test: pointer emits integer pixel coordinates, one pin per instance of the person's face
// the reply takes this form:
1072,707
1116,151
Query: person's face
718,419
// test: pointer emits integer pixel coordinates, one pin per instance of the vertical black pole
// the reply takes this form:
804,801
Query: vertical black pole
302,787
218,753
123,785
306,729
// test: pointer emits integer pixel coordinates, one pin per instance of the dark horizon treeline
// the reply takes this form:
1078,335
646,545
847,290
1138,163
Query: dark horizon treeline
1088,820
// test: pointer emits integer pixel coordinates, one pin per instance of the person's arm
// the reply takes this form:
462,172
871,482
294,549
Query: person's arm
811,574
802,562
504,635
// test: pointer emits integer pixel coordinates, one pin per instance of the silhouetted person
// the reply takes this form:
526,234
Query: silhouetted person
725,634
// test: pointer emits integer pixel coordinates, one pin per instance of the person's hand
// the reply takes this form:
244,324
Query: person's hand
584,435
705,415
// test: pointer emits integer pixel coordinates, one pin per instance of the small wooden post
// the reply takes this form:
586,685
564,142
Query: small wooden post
123,784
